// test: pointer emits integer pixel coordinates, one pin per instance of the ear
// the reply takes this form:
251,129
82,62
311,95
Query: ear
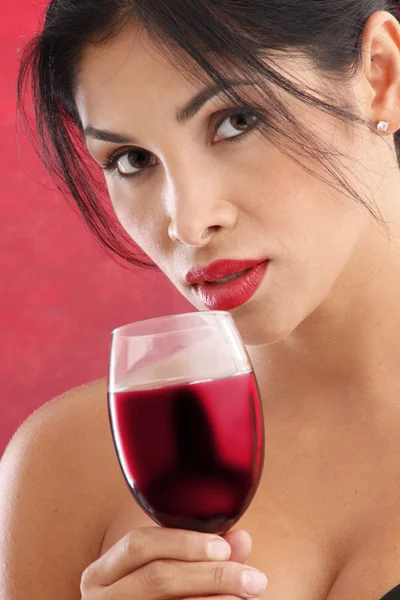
381,61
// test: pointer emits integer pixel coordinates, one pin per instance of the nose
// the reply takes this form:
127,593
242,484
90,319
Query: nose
198,207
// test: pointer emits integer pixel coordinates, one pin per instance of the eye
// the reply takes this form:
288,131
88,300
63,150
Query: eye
131,162
236,124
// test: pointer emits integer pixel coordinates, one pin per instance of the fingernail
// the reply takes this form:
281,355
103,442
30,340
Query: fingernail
254,582
218,550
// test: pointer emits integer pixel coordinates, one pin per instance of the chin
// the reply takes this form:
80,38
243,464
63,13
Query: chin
260,323
262,327
262,337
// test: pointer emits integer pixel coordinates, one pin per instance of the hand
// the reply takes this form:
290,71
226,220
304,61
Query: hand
153,563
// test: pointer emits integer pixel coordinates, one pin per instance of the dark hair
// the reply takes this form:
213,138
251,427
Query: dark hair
210,39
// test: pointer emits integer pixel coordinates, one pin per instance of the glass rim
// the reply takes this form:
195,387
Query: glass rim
220,313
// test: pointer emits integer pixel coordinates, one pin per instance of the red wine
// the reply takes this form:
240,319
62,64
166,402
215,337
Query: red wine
191,453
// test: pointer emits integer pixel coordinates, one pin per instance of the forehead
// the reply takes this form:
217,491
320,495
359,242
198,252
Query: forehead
129,76
127,73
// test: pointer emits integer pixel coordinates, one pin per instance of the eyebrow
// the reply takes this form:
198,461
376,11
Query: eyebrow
184,115
195,104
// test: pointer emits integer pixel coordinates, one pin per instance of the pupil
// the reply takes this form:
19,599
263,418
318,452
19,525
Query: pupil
137,159
241,122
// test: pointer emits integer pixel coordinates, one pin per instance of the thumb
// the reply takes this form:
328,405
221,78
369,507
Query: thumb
240,542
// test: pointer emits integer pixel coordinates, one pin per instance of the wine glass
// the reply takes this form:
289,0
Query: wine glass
186,419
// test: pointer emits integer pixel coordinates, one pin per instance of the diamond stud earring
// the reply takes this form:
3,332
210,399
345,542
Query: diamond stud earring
382,126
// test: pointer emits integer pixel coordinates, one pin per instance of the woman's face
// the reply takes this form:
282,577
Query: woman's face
212,187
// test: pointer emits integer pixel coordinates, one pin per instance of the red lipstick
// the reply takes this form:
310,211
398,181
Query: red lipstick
244,279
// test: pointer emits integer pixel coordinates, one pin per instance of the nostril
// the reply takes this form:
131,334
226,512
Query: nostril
210,230
193,237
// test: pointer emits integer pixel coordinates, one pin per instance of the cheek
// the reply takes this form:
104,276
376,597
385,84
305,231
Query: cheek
313,231
319,260
308,269
144,224
305,211
328,238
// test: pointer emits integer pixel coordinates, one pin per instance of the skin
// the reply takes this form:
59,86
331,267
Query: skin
324,523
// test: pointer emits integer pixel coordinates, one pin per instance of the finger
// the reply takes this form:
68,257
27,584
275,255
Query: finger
147,544
169,579
241,544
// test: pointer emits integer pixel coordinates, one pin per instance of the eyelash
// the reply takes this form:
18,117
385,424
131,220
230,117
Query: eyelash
111,165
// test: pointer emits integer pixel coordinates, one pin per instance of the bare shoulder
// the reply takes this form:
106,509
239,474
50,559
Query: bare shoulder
68,435
59,486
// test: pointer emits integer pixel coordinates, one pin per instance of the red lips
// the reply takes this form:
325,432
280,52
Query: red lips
219,269
227,295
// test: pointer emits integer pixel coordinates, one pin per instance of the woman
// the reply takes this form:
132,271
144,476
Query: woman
257,130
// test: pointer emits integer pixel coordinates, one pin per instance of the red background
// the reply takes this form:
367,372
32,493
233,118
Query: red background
60,295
